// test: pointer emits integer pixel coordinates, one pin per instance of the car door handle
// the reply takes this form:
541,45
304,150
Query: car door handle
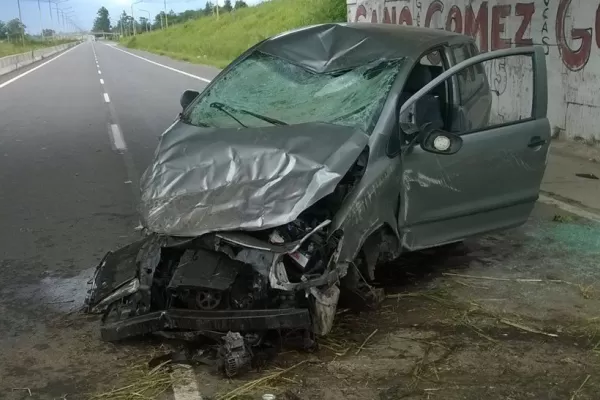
536,141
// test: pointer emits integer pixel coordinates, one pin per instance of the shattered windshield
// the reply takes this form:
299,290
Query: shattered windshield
264,90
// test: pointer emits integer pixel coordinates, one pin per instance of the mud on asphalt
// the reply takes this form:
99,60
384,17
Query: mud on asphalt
512,315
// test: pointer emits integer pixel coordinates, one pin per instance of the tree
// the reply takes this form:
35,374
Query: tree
208,8
102,21
188,15
144,24
240,4
15,28
48,32
124,26
2,30
159,20
227,6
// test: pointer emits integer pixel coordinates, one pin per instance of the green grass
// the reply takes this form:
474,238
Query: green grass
217,42
8,49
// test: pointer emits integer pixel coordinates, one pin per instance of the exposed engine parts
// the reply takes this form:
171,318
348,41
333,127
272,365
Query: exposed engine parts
208,299
234,355
245,283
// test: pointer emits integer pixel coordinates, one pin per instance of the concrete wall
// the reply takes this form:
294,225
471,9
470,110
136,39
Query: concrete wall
14,62
569,30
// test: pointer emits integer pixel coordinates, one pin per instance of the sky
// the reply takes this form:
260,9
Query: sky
84,11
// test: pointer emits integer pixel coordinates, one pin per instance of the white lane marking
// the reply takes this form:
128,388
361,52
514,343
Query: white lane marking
99,72
186,387
161,65
8,82
101,81
106,98
117,137
569,208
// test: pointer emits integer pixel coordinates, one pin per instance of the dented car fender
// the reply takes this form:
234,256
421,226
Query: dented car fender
371,207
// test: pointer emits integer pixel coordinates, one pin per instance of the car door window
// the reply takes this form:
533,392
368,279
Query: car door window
488,95
433,107
469,80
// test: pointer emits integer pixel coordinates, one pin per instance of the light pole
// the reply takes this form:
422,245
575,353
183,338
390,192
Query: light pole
132,17
122,29
51,19
166,19
217,3
62,12
147,22
21,23
66,14
41,20
69,21
56,2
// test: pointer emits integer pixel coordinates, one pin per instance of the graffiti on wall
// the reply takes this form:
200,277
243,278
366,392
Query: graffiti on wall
569,31
487,23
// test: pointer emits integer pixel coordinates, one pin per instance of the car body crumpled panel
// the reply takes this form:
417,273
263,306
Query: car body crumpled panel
204,179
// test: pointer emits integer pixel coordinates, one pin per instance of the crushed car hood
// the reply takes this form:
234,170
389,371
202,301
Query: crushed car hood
208,179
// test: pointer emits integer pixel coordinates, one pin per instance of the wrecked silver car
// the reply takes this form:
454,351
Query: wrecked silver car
313,157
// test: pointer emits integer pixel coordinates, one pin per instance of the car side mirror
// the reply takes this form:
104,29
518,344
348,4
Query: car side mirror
439,142
187,97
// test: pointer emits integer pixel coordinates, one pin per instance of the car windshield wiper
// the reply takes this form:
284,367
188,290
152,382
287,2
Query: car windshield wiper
221,106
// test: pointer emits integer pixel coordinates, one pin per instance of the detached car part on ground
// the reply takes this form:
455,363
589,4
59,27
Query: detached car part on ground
295,172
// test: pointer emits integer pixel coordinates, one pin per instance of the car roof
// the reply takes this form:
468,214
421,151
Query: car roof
415,39
334,46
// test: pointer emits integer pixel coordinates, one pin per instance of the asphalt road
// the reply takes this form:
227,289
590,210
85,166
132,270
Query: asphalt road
75,135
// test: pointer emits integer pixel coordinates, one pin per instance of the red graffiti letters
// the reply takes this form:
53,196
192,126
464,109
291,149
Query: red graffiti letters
454,18
598,26
473,25
405,17
386,16
361,11
499,13
435,6
525,10
573,59
493,32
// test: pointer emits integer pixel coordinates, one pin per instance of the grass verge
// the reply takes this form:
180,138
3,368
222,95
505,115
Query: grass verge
217,42
9,49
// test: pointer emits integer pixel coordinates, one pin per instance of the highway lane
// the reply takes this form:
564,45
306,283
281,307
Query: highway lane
145,95
67,195
63,203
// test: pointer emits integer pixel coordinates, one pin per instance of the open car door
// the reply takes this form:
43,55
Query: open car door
461,184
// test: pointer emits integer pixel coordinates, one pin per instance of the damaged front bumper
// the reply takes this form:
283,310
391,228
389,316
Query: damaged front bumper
220,282
207,321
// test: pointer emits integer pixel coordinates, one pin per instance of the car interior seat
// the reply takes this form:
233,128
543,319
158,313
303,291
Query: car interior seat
427,108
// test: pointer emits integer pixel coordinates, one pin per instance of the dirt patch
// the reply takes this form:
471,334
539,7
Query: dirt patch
507,316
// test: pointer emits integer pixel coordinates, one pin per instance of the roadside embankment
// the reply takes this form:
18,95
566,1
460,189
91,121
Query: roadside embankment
217,42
